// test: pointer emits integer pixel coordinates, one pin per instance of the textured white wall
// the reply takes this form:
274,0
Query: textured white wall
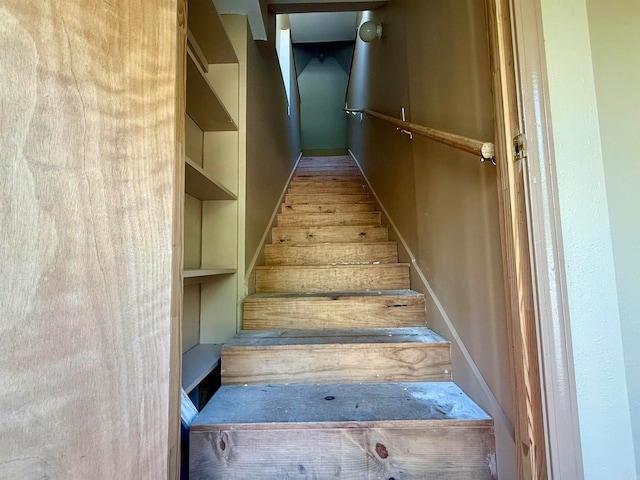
601,384
615,43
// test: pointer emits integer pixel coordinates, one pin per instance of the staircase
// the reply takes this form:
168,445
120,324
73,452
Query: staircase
335,374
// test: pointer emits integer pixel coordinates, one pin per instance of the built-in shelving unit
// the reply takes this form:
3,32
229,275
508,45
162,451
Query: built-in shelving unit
199,362
199,184
214,187
195,276
203,104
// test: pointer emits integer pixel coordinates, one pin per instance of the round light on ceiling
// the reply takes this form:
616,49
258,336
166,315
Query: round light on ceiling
370,31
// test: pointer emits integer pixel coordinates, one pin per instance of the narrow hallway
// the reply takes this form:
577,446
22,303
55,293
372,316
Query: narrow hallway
335,374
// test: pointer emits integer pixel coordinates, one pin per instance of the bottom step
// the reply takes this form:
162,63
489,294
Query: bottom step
348,431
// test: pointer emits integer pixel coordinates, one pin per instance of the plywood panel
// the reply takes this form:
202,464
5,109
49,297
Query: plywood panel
91,163
341,278
373,310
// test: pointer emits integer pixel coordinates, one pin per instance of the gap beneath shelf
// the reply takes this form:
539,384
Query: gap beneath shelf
198,362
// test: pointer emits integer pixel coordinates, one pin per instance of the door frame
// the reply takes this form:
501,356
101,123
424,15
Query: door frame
545,402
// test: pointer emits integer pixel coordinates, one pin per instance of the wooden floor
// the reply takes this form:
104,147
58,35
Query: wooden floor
336,374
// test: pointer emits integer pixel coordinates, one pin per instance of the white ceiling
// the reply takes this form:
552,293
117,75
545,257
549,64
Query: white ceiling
323,27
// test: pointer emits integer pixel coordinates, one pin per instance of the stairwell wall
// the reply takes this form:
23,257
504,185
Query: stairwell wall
433,59
273,136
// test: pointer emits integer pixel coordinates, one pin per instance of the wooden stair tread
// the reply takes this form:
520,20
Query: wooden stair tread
339,406
374,309
327,198
330,188
331,234
329,278
293,208
346,336
351,253
329,219
335,295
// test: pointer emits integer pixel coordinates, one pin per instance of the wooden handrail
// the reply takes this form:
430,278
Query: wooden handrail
485,149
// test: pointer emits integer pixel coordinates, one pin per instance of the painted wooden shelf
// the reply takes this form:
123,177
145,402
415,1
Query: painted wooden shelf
203,104
202,275
201,185
205,25
199,362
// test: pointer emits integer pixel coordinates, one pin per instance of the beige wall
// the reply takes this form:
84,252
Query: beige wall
433,59
273,137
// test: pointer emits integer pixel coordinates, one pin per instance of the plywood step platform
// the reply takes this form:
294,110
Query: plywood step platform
293,208
350,431
332,189
331,253
332,278
378,309
328,219
328,179
334,234
315,198
336,355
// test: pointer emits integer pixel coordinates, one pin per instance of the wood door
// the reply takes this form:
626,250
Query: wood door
527,394
90,166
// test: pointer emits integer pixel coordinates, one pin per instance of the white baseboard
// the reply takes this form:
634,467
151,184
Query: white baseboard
497,410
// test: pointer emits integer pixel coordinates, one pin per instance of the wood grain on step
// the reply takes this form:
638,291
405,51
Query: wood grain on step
315,180
291,208
340,234
331,253
327,188
336,356
328,219
327,198
342,278
357,310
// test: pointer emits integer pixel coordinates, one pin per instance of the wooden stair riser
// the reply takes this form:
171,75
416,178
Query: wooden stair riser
326,160
343,278
293,208
331,254
327,172
328,219
385,452
337,234
327,163
340,311
336,363
327,179
330,189
327,198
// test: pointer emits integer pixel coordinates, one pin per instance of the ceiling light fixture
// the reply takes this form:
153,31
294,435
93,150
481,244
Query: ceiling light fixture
370,31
